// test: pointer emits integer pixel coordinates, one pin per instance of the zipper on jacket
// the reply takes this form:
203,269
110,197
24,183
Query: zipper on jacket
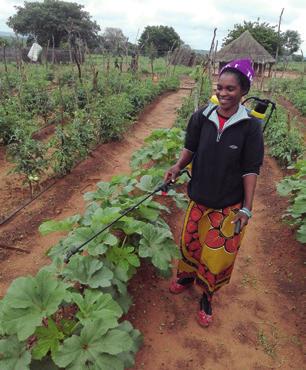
219,135
221,132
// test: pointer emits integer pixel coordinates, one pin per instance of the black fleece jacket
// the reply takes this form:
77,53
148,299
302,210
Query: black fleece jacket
220,161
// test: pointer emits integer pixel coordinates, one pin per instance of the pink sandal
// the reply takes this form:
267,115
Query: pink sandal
203,318
176,288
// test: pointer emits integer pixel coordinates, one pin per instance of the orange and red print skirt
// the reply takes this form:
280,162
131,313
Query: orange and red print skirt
209,246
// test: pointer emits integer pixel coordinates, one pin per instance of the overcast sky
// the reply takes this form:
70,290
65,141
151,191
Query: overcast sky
193,20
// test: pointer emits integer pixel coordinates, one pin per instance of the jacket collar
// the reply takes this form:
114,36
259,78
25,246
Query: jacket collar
241,114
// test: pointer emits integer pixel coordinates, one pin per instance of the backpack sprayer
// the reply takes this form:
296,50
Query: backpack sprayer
260,109
163,188
258,112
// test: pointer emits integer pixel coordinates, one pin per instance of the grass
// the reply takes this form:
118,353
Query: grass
292,66
249,280
268,345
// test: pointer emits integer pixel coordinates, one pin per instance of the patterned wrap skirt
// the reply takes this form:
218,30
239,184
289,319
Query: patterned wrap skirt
209,246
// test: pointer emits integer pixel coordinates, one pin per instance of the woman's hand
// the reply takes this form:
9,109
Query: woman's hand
172,173
242,217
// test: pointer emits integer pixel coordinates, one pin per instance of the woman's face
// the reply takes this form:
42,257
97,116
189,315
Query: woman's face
229,91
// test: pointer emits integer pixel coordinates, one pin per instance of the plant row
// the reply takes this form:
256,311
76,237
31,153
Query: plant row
284,139
294,187
93,116
293,89
70,315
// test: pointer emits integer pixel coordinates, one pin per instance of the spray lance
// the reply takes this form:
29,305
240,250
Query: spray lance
164,187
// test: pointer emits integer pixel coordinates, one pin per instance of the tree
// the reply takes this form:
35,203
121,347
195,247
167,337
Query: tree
263,32
114,40
53,21
291,41
266,35
161,38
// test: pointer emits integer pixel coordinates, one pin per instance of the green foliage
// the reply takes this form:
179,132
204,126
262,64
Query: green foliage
291,42
161,38
48,339
184,112
199,97
113,113
157,244
295,187
97,347
163,146
283,138
63,225
266,35
14,354
95,305
13,120
35,98
48,18
125,258
72,143
88,271
28,301
30,159
294,89
65,100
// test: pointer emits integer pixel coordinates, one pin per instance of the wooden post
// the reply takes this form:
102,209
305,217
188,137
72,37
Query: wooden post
214,58
53,49
47,51
278,38
303,66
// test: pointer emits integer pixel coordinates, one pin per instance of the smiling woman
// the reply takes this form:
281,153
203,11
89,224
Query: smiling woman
225,145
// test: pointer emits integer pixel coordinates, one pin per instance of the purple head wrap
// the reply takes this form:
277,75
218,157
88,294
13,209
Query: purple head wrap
242,65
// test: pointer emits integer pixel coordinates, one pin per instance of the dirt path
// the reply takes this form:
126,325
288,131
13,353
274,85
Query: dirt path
66,197
259,318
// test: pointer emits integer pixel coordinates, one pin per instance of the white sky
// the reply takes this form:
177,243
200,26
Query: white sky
193,20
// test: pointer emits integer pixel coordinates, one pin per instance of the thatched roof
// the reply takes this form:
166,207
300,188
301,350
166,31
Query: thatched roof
245,46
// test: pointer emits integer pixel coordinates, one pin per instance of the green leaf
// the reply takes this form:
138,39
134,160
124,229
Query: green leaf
130,226
29,300
105,216
90,347
148,213
14,354
128,357
2,332
301,233
105,191
299,205
96,305
106,240
89,271
157,245
148,183
52,226
123,257
179,198
90,210
75,238
48,339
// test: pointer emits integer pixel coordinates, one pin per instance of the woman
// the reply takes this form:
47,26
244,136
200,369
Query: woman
225,145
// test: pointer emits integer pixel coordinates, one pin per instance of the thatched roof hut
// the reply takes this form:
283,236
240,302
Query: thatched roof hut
245,46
